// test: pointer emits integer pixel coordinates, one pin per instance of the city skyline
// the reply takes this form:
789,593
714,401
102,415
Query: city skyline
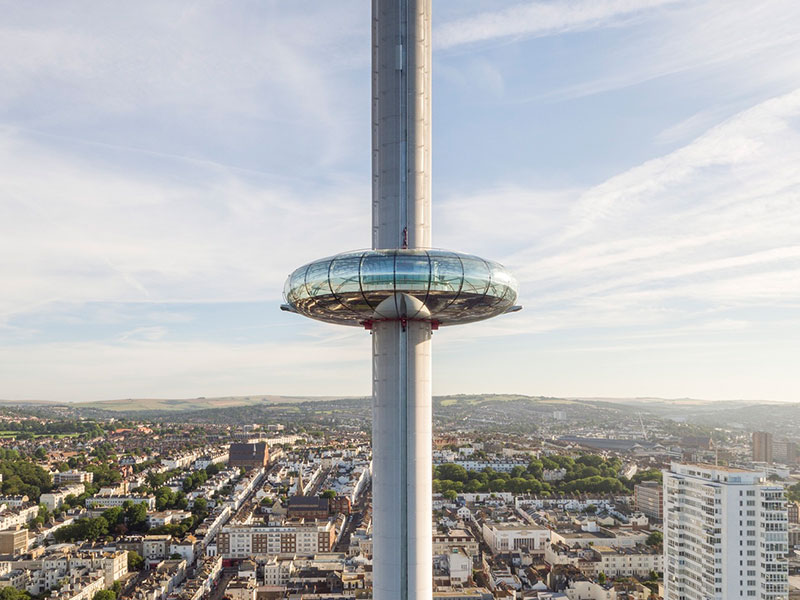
153,183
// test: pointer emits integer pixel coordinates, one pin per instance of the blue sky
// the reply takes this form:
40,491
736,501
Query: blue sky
164,166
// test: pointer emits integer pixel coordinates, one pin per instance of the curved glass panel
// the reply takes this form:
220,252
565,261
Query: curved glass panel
412,273
297,290
377,272
447,278
317,278
377,277
447,287
503,285
447,273
476,276
344,274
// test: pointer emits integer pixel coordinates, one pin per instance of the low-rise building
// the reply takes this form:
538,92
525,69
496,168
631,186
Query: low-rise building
13,541
446,543
109,501
515,535
72,476
167,517
156,547
55,499
638,561
303,538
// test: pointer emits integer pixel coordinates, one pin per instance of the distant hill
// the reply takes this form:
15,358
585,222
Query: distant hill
194,404
684,407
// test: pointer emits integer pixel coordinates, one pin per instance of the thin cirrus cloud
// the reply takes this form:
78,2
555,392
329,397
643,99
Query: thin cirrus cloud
705,234
540,18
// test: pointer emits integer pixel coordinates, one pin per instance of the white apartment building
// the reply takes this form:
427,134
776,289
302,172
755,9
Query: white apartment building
625,562
99,501
278,572
307,539
55,499
725,535
73,477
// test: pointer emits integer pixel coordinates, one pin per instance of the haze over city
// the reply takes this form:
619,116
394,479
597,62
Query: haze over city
164,166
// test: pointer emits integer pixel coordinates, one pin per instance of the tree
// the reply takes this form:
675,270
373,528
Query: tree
12,593
329,494
96,528
473,486
136,516
655,539
135,561
105,595
535,468
451,495
164,498
601,578
517,471
452,472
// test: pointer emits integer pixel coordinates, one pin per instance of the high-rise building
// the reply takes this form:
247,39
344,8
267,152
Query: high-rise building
648,498
401,291
725,534
762,446
784,452
793,508
248,455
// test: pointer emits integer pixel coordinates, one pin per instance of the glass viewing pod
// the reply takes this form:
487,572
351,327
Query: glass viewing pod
440,286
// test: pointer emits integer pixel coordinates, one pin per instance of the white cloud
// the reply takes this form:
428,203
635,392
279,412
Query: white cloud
708,228
84,233
540,18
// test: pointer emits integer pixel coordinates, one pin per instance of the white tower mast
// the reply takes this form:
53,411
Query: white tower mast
401,350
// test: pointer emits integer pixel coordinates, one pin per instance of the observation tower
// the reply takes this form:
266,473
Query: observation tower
401,291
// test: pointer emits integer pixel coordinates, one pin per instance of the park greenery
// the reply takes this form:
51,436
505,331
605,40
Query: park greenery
129,518
586,474
22,477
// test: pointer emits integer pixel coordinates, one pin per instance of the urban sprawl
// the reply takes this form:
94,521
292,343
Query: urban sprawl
577,507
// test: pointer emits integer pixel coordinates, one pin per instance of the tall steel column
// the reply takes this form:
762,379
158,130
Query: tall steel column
401,218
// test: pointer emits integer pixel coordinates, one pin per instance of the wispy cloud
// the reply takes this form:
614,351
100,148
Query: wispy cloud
685,241
541,18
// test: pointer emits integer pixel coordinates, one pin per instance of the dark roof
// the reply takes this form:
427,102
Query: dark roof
308,503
